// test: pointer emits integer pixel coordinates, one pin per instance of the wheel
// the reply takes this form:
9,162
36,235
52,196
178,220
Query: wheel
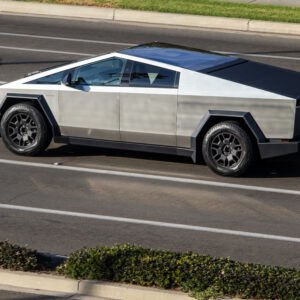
227,149
24,130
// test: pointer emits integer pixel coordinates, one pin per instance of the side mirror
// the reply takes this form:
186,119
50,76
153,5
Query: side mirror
67,80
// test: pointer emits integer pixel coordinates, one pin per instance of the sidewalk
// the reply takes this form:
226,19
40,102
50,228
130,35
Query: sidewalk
147,17
43,283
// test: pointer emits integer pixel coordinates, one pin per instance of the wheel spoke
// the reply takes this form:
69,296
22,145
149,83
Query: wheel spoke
28,119
32,126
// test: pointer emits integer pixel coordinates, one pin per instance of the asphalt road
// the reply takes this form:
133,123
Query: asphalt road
10,295
30,43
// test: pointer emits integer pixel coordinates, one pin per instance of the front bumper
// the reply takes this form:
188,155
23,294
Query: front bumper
275,149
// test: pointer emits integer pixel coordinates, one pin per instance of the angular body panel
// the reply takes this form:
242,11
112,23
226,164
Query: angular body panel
49,92
275,120
89,112
148,115
198,93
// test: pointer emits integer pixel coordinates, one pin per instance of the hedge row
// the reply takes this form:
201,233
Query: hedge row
18,258
201,275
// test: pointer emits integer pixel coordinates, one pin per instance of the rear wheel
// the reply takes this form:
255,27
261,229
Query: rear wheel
24,130
227,149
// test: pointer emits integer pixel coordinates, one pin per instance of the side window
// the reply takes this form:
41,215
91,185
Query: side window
144,75
107,72
50,79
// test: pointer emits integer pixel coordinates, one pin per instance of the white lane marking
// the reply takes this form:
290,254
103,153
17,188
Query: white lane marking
259,55
2,82
65,39
47,51
152,177
151,223
129,44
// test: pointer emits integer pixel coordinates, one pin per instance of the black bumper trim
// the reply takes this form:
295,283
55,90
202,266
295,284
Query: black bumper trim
271,149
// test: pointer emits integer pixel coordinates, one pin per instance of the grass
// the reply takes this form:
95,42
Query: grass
197,7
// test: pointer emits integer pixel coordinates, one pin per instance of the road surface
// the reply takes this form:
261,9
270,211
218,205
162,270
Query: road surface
172,203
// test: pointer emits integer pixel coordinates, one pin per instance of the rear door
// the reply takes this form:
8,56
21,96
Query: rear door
148,106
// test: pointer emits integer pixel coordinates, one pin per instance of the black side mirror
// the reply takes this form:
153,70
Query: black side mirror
67,80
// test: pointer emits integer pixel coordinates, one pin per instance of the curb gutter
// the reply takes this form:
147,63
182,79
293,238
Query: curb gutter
59,284
157,18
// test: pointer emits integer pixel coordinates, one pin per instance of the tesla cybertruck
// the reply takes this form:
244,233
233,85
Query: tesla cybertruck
158,98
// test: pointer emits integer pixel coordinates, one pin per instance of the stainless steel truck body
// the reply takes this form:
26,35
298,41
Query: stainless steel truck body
158,98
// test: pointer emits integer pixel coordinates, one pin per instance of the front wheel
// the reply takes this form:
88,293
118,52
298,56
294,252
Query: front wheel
24,130
227,149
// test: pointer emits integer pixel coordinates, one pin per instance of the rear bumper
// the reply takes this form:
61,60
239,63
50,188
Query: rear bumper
275,149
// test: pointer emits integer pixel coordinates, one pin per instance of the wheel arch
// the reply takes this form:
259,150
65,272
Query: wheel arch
38,101
213,117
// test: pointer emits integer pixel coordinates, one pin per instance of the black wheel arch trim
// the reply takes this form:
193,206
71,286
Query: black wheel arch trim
214,116
39,100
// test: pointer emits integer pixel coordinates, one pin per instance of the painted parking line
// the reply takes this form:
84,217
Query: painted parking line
130,44
152,177
2,82
47,51
150,223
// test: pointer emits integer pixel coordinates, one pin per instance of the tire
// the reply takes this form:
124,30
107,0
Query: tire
227,149
24,130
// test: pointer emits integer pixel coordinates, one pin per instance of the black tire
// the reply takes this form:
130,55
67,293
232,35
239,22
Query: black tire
227,149
24,130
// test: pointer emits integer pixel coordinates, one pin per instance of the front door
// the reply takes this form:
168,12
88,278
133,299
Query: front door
89,106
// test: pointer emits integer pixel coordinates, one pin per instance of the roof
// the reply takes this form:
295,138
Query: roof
261,76
184,57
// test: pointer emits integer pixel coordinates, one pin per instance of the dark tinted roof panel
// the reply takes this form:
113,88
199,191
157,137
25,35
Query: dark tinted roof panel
272,79
184,57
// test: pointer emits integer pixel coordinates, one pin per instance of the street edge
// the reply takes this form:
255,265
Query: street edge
147,17
59,284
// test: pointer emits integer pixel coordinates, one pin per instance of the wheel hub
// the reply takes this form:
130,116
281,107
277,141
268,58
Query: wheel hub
226,150
23,129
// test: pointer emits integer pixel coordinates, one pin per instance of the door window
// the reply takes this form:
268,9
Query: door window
144,75
107,72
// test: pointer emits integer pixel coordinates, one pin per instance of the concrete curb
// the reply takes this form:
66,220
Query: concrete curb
59,284
180,20
56,10
146,17
274,27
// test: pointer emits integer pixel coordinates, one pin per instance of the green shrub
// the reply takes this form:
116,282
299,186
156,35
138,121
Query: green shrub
201,275
14,257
